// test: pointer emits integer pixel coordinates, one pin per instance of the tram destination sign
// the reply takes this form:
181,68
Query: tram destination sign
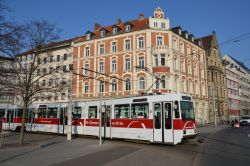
186,98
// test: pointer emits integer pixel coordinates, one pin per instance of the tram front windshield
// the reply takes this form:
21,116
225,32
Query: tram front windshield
187,110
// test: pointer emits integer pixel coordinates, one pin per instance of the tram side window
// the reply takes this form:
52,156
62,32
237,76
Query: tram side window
168,120
76,114
41,113
140,110
2,113
52,113
157,115
92,113
176,109
19,113
122,111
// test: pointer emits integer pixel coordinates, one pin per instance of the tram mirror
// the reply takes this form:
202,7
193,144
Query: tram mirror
176,110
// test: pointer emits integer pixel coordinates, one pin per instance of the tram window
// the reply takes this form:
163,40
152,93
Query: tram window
2,113
52,113
41,113
176,110
140,110
187,110
76,114
122,111
92,112
19,113
157,115
168,121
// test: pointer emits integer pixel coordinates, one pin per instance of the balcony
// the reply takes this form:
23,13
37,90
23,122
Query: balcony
161,69
160,48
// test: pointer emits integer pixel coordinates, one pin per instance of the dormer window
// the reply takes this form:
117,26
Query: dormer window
179,31
127,28
88,36
102,33
115,31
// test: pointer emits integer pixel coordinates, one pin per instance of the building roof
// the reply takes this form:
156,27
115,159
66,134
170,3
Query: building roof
189,36
7,58
52,45
206,41
241,64
136,25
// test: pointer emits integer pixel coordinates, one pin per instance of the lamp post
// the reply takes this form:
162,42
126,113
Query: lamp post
69,129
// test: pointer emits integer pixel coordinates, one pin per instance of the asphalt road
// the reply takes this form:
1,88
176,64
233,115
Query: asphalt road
222,146
229,147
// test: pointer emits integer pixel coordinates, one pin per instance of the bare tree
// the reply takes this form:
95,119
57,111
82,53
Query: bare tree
38,36
35,36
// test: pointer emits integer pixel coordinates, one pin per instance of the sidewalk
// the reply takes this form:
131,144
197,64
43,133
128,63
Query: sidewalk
47,150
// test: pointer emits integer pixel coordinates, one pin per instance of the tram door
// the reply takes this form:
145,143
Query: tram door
163,122
62,119
106,127
10,116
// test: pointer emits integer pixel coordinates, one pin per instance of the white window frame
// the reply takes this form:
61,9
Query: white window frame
101,86
113,65
140,42
101,67
128,84
86,87
87,51
114,86
142,84
102,34
127,45
127,64
141,61
128,28
158,41
101,48
114,46
86,72
115,31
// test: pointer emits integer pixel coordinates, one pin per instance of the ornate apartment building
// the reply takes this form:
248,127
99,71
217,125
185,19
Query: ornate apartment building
6,66
216,79
238,84
52,70
123,60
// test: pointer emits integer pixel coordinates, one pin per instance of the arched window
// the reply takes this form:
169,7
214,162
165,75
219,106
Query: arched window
141,83
101,86
182,85
86,87
163,82
175,84
114,86
128,84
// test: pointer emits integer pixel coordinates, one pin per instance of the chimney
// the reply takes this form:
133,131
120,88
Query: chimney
119,21
141,16
97,26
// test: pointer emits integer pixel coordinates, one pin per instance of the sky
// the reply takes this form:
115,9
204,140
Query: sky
228,18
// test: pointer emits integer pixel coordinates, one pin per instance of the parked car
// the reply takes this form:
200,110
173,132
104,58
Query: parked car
245,120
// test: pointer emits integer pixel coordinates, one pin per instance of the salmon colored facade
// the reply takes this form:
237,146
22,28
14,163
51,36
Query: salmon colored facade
107,60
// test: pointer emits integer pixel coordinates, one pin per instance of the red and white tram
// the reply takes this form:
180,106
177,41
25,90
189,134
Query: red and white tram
12,118
157,118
